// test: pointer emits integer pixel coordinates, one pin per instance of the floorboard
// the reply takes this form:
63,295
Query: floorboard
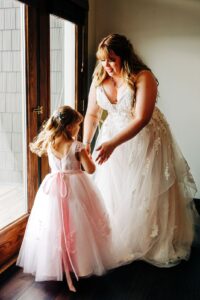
137,281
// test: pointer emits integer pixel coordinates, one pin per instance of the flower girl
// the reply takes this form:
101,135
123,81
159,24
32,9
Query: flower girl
68,228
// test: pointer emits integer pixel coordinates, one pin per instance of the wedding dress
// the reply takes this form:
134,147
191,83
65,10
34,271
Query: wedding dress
147,186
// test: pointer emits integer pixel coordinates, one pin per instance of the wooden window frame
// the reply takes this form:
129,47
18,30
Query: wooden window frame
37,14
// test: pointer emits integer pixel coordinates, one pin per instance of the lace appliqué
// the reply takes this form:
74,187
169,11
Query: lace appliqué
71,241
167,174
79,147
102,225
154,232
157,143
146,166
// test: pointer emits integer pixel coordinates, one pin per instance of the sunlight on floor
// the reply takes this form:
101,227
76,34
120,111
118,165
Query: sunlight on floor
12,203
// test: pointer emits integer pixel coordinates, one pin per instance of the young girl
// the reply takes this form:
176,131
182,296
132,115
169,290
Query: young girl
68,229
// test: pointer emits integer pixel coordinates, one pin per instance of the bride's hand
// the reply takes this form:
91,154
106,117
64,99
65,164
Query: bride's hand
88,149
105,150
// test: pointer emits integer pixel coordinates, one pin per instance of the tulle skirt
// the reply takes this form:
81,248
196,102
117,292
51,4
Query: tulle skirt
68,230
148,191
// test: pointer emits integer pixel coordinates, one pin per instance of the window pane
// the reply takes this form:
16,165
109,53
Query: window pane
13,195
62,62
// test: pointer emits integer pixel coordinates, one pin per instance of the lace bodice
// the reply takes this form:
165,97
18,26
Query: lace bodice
121,113
124,100
68,162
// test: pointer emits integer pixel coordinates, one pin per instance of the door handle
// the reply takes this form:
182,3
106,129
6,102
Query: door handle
38,110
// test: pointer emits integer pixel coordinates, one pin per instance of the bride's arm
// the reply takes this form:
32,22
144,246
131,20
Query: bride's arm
92,117
146,93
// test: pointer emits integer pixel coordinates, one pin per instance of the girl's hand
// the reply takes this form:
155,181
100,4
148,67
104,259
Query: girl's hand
105,150
87,162
90,155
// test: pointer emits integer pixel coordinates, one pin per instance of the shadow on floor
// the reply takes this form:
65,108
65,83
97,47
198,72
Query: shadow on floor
137,281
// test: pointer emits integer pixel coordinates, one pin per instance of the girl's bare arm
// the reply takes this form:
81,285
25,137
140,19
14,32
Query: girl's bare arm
87,162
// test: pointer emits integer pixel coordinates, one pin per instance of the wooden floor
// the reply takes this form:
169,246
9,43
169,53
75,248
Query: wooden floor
138,281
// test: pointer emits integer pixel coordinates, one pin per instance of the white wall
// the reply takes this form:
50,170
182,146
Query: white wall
166,33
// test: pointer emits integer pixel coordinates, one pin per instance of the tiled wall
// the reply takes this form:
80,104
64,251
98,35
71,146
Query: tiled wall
10,92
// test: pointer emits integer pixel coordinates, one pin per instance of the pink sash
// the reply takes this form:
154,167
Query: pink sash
57,183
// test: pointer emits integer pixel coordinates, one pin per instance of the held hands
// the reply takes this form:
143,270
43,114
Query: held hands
88,148
105,150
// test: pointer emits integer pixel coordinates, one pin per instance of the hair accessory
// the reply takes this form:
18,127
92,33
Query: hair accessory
55,114
58,115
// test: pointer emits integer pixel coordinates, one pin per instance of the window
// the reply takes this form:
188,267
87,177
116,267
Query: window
62,62
13,175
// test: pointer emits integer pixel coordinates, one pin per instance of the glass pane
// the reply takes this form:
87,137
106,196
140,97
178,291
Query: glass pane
13,192
62,62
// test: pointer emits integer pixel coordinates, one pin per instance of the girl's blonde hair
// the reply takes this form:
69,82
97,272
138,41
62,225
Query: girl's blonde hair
131,63
54,127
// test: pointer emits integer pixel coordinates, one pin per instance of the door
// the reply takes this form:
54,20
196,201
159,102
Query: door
16,115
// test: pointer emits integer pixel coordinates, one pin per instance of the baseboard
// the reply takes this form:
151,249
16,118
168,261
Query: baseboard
8,264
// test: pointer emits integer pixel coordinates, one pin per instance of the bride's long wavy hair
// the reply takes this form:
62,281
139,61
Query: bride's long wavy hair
131,63
54,127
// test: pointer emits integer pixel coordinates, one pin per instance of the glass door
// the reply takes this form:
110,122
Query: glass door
18,125
62,62
13,143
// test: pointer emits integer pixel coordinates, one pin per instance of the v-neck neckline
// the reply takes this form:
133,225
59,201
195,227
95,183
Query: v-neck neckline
108,99
53,151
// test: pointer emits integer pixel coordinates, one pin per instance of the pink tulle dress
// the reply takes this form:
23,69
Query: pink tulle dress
68,228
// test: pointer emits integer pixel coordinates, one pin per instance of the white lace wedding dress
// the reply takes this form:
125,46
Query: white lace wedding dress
146,185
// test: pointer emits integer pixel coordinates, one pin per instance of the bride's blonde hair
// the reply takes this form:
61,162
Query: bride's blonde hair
131,63
54,127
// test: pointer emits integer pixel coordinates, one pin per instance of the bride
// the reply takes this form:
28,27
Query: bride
143,177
